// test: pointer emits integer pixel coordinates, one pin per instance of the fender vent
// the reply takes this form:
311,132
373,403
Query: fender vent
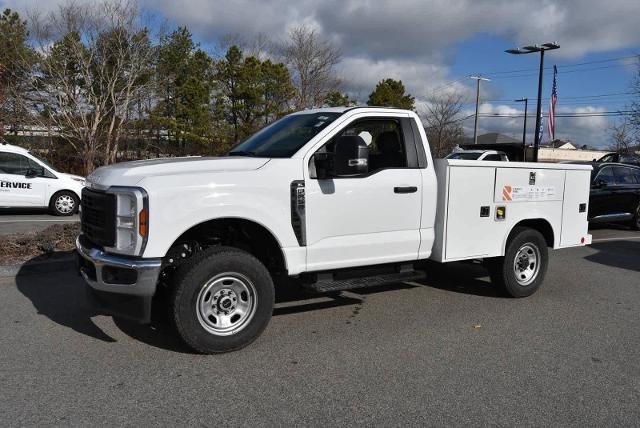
298,211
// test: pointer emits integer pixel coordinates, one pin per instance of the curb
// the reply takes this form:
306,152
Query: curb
54,264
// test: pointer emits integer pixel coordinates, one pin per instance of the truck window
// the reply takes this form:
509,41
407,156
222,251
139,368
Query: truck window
13,163
493,158
385,139
284,137
464,155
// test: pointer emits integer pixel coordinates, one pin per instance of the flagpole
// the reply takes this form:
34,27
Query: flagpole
528,50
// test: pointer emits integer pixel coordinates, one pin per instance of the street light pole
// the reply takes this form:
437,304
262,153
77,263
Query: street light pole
527,50
524,128
475,124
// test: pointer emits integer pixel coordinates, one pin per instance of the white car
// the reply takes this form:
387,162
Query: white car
29,182
486,155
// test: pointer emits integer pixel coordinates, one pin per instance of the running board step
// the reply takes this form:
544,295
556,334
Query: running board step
326,285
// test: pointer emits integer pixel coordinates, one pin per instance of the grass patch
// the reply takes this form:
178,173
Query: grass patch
20,247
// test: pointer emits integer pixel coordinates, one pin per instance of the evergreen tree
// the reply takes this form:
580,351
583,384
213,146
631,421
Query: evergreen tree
184,74
16,58
391,93
338,99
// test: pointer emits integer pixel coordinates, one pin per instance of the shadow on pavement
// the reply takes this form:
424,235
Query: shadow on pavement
24,211
60,297
460,277
619,254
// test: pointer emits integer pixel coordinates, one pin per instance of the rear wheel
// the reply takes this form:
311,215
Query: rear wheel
522,269
222,300
64,203
635,223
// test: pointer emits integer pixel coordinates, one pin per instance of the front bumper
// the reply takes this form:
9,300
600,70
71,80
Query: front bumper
119,285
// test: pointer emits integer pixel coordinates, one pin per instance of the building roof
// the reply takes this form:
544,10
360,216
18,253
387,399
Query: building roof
493,138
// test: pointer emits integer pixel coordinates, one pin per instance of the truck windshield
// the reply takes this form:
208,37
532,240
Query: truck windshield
284,137
464,156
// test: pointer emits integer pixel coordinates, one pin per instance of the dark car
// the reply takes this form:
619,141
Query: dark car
615,194
629,159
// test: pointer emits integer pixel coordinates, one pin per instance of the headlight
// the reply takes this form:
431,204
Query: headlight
132,220
80,180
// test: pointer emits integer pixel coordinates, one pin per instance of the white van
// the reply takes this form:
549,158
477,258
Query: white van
29,182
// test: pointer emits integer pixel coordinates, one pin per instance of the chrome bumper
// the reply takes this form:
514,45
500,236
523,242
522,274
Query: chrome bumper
130,300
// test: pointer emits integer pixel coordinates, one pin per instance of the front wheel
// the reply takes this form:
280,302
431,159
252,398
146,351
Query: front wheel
522,269
222,300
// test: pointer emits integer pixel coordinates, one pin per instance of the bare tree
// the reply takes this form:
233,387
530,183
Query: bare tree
621,136
311,61
443,122
94,59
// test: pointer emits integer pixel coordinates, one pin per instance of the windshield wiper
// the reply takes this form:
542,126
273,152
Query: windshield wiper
241,153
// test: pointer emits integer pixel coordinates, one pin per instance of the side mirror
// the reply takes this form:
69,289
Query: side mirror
351,157
599,183
323,163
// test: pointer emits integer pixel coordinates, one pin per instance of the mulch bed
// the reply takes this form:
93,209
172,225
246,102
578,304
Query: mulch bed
20,247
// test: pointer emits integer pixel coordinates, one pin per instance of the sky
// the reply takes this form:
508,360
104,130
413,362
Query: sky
433,46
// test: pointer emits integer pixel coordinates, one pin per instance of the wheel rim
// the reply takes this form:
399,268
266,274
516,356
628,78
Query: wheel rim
526,264
638,217
226,304
65,204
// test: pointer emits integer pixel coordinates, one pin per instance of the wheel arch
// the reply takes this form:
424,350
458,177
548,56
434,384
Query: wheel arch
238,232
542,225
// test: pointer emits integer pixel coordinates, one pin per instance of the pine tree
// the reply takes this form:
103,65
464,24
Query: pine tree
391,93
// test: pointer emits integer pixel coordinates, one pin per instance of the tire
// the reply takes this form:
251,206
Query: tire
222,300
635,223
64,203
522,269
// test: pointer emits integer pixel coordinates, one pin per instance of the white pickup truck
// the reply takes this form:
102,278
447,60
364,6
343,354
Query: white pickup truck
340,198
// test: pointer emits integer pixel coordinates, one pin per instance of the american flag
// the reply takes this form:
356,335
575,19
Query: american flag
552,106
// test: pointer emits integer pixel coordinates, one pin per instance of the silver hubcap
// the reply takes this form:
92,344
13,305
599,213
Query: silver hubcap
526,264
226,304
65,204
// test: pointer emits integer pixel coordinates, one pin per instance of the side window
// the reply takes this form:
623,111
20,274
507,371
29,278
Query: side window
624,175
605,176
42,171
385,140
492,158
13,163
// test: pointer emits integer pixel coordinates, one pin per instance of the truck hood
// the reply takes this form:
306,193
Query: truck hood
131,173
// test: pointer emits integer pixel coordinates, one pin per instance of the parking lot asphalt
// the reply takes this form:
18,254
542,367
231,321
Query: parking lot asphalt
447,350
21,221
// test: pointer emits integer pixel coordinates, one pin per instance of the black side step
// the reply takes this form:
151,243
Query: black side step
328,285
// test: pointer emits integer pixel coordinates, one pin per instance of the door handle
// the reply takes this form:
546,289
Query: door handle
405,189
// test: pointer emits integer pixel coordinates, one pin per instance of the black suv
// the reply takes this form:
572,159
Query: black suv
630,159
615,194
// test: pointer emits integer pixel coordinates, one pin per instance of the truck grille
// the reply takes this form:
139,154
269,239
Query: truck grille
98,216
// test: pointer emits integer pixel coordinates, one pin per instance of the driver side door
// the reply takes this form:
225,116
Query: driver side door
16,190
371,218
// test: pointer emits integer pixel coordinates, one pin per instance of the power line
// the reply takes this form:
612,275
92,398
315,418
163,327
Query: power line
561,69
580,64
565,115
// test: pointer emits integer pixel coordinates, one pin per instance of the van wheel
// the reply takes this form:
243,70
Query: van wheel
522,269
222,300
64,203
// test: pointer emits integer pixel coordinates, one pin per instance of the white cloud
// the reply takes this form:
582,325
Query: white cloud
411,40
591,130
